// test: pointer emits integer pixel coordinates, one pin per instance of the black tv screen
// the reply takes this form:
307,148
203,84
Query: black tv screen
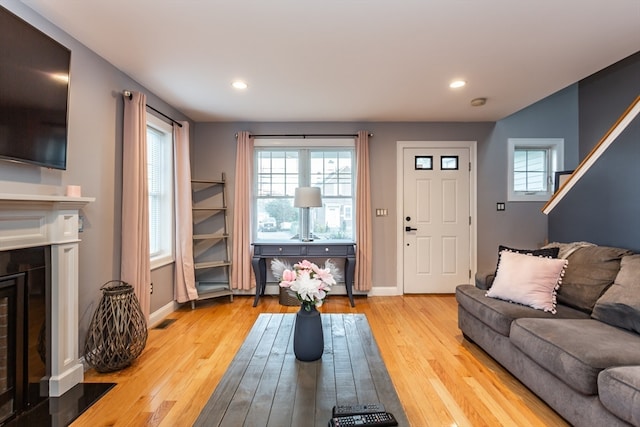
34,92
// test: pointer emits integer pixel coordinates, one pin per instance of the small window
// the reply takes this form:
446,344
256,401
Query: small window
160,188
424,163
532,166
449,163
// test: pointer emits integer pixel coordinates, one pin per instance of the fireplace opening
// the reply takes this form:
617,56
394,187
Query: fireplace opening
24,329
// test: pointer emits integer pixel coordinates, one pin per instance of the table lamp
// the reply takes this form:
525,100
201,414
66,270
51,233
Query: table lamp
305,198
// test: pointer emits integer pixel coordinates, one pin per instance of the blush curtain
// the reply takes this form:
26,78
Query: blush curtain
185,282
135,266
241,277
364,245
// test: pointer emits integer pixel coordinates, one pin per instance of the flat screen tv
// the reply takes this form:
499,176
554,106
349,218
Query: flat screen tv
34,93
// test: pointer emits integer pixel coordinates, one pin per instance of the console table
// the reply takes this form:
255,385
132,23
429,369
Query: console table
301,250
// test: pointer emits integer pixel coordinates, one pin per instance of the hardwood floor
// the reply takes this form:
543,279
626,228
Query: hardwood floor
441,379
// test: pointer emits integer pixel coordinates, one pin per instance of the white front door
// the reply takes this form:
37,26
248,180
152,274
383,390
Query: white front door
436,219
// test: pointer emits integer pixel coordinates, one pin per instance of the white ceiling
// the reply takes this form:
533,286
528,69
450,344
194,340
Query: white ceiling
352,60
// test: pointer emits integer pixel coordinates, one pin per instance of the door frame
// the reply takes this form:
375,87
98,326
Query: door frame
473,197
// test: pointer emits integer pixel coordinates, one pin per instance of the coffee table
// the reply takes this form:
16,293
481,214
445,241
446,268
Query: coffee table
266,386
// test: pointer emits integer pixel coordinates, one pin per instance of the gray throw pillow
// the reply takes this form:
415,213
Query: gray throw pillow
620,304
590,272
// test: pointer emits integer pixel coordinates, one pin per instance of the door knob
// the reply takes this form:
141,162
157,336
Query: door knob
407,228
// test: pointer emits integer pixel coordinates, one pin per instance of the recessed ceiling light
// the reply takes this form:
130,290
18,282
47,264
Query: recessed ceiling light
457,84
238,84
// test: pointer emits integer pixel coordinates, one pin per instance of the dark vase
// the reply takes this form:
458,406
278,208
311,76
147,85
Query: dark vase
308,339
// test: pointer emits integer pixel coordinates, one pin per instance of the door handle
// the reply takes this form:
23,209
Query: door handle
407,228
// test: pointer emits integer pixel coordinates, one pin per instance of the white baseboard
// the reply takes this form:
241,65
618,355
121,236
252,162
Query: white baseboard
384,291
158,316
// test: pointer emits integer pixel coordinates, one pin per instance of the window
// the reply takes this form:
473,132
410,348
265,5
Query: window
449,163
160,186
280,169
532,165
424,163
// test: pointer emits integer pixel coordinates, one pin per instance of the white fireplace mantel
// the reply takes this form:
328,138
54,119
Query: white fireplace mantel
28,220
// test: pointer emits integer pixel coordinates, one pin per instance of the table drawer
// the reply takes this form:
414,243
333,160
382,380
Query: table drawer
328,250
277,250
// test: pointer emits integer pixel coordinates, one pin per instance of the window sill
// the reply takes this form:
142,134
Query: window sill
529,198
161,262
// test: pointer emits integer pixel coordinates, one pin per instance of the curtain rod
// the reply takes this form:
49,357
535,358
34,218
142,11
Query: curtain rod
307,135
128,94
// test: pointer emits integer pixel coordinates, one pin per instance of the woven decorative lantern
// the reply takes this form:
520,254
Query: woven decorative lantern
118,331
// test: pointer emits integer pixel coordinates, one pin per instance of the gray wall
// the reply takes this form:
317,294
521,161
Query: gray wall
604,206
215,151
94,162
522,224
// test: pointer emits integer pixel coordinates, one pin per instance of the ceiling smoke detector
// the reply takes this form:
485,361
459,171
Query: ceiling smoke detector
478,102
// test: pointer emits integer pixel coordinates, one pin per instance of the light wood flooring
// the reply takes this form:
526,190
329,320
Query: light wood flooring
441,379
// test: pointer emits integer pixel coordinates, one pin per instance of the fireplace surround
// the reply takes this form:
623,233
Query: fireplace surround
50,221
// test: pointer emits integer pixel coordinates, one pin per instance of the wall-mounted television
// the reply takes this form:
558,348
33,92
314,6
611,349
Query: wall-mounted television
34,93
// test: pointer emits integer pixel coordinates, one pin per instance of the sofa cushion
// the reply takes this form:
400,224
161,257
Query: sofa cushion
576,350
528,280
485,280
620,304
590,272
498,314
566,249
619,392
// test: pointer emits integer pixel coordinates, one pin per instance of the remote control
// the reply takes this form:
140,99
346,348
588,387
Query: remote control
344,410
376,419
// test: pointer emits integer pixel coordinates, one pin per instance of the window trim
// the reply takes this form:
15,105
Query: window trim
556,163
165,257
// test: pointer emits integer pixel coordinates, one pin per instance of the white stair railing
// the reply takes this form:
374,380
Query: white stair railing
627,117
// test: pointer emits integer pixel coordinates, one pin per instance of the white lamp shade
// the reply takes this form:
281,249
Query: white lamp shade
307,197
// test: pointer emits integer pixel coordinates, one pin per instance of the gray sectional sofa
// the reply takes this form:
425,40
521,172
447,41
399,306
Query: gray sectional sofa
584,359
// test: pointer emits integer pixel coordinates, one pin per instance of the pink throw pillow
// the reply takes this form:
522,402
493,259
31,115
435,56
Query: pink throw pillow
528,280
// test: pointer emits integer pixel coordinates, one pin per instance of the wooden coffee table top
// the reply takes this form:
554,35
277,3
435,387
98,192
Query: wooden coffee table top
266,386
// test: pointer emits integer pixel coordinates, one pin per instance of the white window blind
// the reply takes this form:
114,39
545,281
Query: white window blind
160,188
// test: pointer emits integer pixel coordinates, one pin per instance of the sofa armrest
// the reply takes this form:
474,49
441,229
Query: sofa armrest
484,280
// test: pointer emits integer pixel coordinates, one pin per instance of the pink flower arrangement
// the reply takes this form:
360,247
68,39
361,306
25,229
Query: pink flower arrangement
309,282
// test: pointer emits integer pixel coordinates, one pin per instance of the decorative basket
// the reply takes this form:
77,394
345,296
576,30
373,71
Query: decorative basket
118,331
288,298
